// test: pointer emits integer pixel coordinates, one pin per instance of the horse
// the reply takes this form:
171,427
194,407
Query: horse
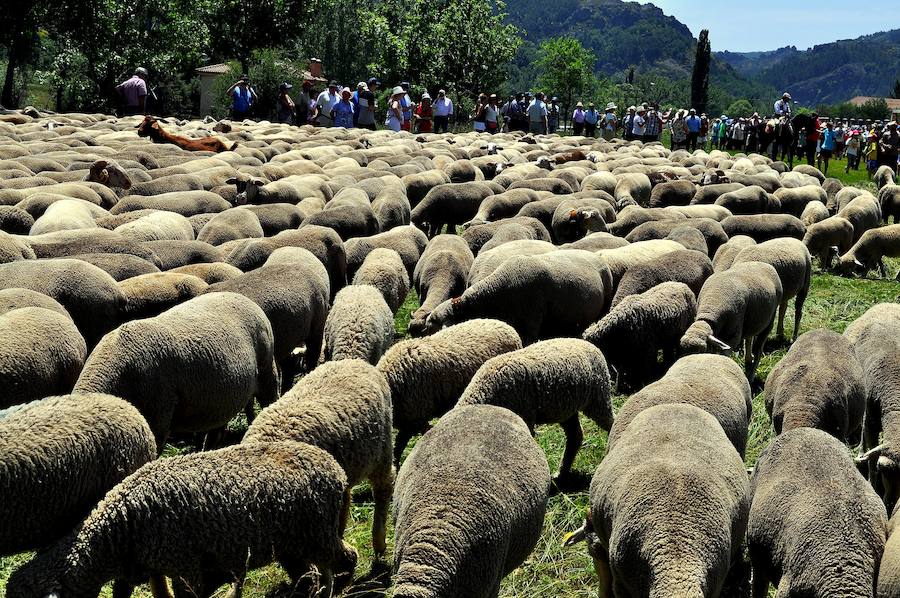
787,134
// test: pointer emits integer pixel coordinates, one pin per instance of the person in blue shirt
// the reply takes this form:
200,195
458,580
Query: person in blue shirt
692,122
243,97
828,141
342,111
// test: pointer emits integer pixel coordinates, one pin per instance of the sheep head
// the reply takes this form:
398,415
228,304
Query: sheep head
848,265
441,316
250,192
109,174
699,338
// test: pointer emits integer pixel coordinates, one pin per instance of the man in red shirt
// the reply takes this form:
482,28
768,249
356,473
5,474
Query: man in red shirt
423,115
812,139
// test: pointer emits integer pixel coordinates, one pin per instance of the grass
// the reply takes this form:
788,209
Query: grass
551,570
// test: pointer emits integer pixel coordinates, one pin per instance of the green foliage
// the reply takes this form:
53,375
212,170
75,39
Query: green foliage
566,69
700,74
740,108
874,109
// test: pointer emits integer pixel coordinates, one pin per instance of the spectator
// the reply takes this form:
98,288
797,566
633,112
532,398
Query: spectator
423,115
812,139
610,122
738,130
852,149
553,115
304,99
133,93
578,119
243,97
678,132
723,131
367,104
704,130
829,141
628,124
394,118
355,101
492,115
692,123
325,102
651,129
752,139
591,118
839,139
524,103
889,147
479,114
342,110
714,137
872,155
406,104
537,115
443,110
285,103
639,123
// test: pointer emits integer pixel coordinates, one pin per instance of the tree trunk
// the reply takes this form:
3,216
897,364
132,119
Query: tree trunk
7,99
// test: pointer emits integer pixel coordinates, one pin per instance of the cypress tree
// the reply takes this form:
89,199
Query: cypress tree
700,76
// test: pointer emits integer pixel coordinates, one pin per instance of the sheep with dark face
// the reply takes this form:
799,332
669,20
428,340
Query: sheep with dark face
811,511
576,218
548,382
669,507
802,393
49,486
736,306
440,275
469,504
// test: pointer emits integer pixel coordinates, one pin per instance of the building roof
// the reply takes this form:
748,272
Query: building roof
893,104
213,69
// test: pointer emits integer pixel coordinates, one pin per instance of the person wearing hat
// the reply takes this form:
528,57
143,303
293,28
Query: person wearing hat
367,104
354,99
286,106
443,110
692,122
652,128
783,106
423,115
871,154
406,104
509,111
852,147
628,124
752,138
305,104
394,119
133,92
578,119
610,121
591,118
325,102
678,132
342,111
889,147
243,98
478,114
553,115
639,123
537,115
492,114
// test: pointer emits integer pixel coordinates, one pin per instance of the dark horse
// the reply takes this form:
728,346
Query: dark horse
786,135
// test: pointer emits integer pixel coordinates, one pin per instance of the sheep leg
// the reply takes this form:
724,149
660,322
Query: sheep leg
882,268
748,357
574,437
159,588
872,425
759,584
604,575
345,511
759,343
404,435
799,301
288,371
782,309
382,490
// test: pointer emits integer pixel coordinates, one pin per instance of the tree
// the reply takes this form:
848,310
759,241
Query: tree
700,75
896,92
740,108
19,34
566,69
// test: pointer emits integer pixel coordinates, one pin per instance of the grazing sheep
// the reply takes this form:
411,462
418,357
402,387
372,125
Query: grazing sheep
672,193
360,325
736,306
76,242
16,298
630,217
542,296
632,187
428,375
269,501
574,219
794,200
690,237
764,227
883,176
714,383
120,266
419,184
347,216
391,208
384,270
67,214
713,212
669,507
747,200
503,205
318,411
596,242
871,249
149,295
863,212
14,250
843,197
480,235
440,275
832,236
888,197
450,204
712,231
816,528
59,457
548,382
174,254
814,211
209,273
555,186
800,392
158,226
622,258
186,203
708,194
174,370
687,266
792,261
407,241
231,225
173,183
641,325
294,298
91,296
469,504
15,220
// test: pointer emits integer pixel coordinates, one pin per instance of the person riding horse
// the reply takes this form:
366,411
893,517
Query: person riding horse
783,107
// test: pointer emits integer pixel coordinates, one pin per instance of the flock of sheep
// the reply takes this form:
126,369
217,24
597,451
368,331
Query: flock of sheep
148,292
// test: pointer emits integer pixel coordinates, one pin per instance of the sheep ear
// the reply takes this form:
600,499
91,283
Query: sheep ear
858,263
870,453
718,343
257,182
231,181
52,595
99,164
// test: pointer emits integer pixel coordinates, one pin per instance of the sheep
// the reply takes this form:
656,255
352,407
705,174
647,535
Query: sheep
714,383
13,250
735,306
174,370
843,197
168,184
480,235
672,193
15,220
814,211
689,267
801,393
673,462
622,258
469,504
90,295
231,225
689,237
407,241
885,175
391,208
109,173
450,204
349,218
186,203
461,171
316,412
120,266
428,375
712,231
158,226
210,273
630,217
541,296
548,382
277,217
863,212
503,205
294,298
875,337
747,200
708,194
596,242
271,501
889,568
149,295
440,274
831,236
764,227
418,185
794,200
713,212
888,197
792,261
50,486
633,187
17,298
174,254
576,218
290,189
67,214
871,249
384,270
811,510
640,326
360,325
555,186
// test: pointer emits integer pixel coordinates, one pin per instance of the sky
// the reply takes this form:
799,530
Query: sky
749,26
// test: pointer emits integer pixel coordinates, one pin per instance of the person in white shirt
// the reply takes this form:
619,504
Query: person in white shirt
442,109
325,102
537,115
783,106
640,123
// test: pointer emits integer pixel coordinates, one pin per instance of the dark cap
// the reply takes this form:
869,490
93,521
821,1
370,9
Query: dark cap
244,77
285,86
333,83
404,84
373,81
